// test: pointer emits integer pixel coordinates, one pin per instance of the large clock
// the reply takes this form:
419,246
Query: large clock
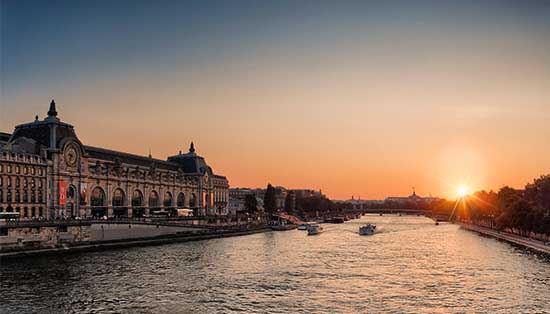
71,156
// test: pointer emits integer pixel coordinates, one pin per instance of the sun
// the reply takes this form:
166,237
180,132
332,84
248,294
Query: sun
462,191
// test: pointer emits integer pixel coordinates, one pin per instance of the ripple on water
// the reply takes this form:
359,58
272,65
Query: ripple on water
410,266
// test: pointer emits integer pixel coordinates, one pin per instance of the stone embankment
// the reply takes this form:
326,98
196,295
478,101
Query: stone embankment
512,238
42,238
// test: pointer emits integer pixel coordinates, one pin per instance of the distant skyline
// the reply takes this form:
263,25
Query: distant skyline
364,98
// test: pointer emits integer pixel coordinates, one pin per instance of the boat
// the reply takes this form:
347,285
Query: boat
314,229
283,227
367,229
303,226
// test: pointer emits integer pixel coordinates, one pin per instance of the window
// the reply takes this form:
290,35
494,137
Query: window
33,197
1,181
40,199
8,199
17,169
9,182
32,170
181,200
32,183
1,196
39,184
41,171
25,196
26,170
17,196
25,182
70,191
167,199
118,198
1,168
98,197
17,182
137,199
9,168
153,199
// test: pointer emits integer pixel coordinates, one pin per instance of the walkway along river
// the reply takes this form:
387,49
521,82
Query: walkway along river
409,266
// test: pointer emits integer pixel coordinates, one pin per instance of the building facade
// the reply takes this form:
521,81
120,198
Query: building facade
46,171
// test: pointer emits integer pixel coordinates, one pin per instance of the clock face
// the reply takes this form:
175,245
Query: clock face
71,156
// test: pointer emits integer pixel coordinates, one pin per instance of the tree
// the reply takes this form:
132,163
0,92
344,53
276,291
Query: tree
270,203
250,203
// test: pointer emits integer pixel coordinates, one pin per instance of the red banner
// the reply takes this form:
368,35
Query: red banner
62,193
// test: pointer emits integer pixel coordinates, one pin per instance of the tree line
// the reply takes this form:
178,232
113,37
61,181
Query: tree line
310,206
525,212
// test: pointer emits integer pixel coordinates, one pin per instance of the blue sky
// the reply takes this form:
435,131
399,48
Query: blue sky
255,80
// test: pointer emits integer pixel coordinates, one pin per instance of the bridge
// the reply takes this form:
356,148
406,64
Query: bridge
406,211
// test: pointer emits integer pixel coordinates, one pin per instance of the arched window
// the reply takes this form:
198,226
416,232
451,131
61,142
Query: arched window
153,199
167,199
193,200
118,197
98,197
181,200
70,193
137,198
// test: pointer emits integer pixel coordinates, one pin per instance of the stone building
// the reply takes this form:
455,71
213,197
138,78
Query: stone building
45,170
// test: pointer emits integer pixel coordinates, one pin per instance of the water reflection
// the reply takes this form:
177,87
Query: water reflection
411,266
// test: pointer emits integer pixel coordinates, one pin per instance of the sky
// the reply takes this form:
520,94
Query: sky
363,98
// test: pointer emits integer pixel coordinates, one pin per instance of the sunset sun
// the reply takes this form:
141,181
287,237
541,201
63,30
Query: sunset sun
462,191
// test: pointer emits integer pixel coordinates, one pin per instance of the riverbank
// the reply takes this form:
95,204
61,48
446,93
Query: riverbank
115,244
508,237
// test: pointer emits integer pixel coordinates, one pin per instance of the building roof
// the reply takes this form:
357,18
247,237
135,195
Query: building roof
40,130
191,162
4,138
112,155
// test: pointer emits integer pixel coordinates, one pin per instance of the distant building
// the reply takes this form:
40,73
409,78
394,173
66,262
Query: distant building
46,171
413,198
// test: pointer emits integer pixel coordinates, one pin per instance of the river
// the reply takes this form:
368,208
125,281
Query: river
409,266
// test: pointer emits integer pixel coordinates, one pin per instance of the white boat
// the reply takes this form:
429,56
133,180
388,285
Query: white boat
314,229
303,227
367,229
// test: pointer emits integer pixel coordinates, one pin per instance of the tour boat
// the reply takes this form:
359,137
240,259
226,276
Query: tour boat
303,227
314,229
367,229
283,227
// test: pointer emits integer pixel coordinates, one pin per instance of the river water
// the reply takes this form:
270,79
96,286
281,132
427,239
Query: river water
409,266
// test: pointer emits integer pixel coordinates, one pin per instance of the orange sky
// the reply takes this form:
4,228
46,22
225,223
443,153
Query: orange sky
346,108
